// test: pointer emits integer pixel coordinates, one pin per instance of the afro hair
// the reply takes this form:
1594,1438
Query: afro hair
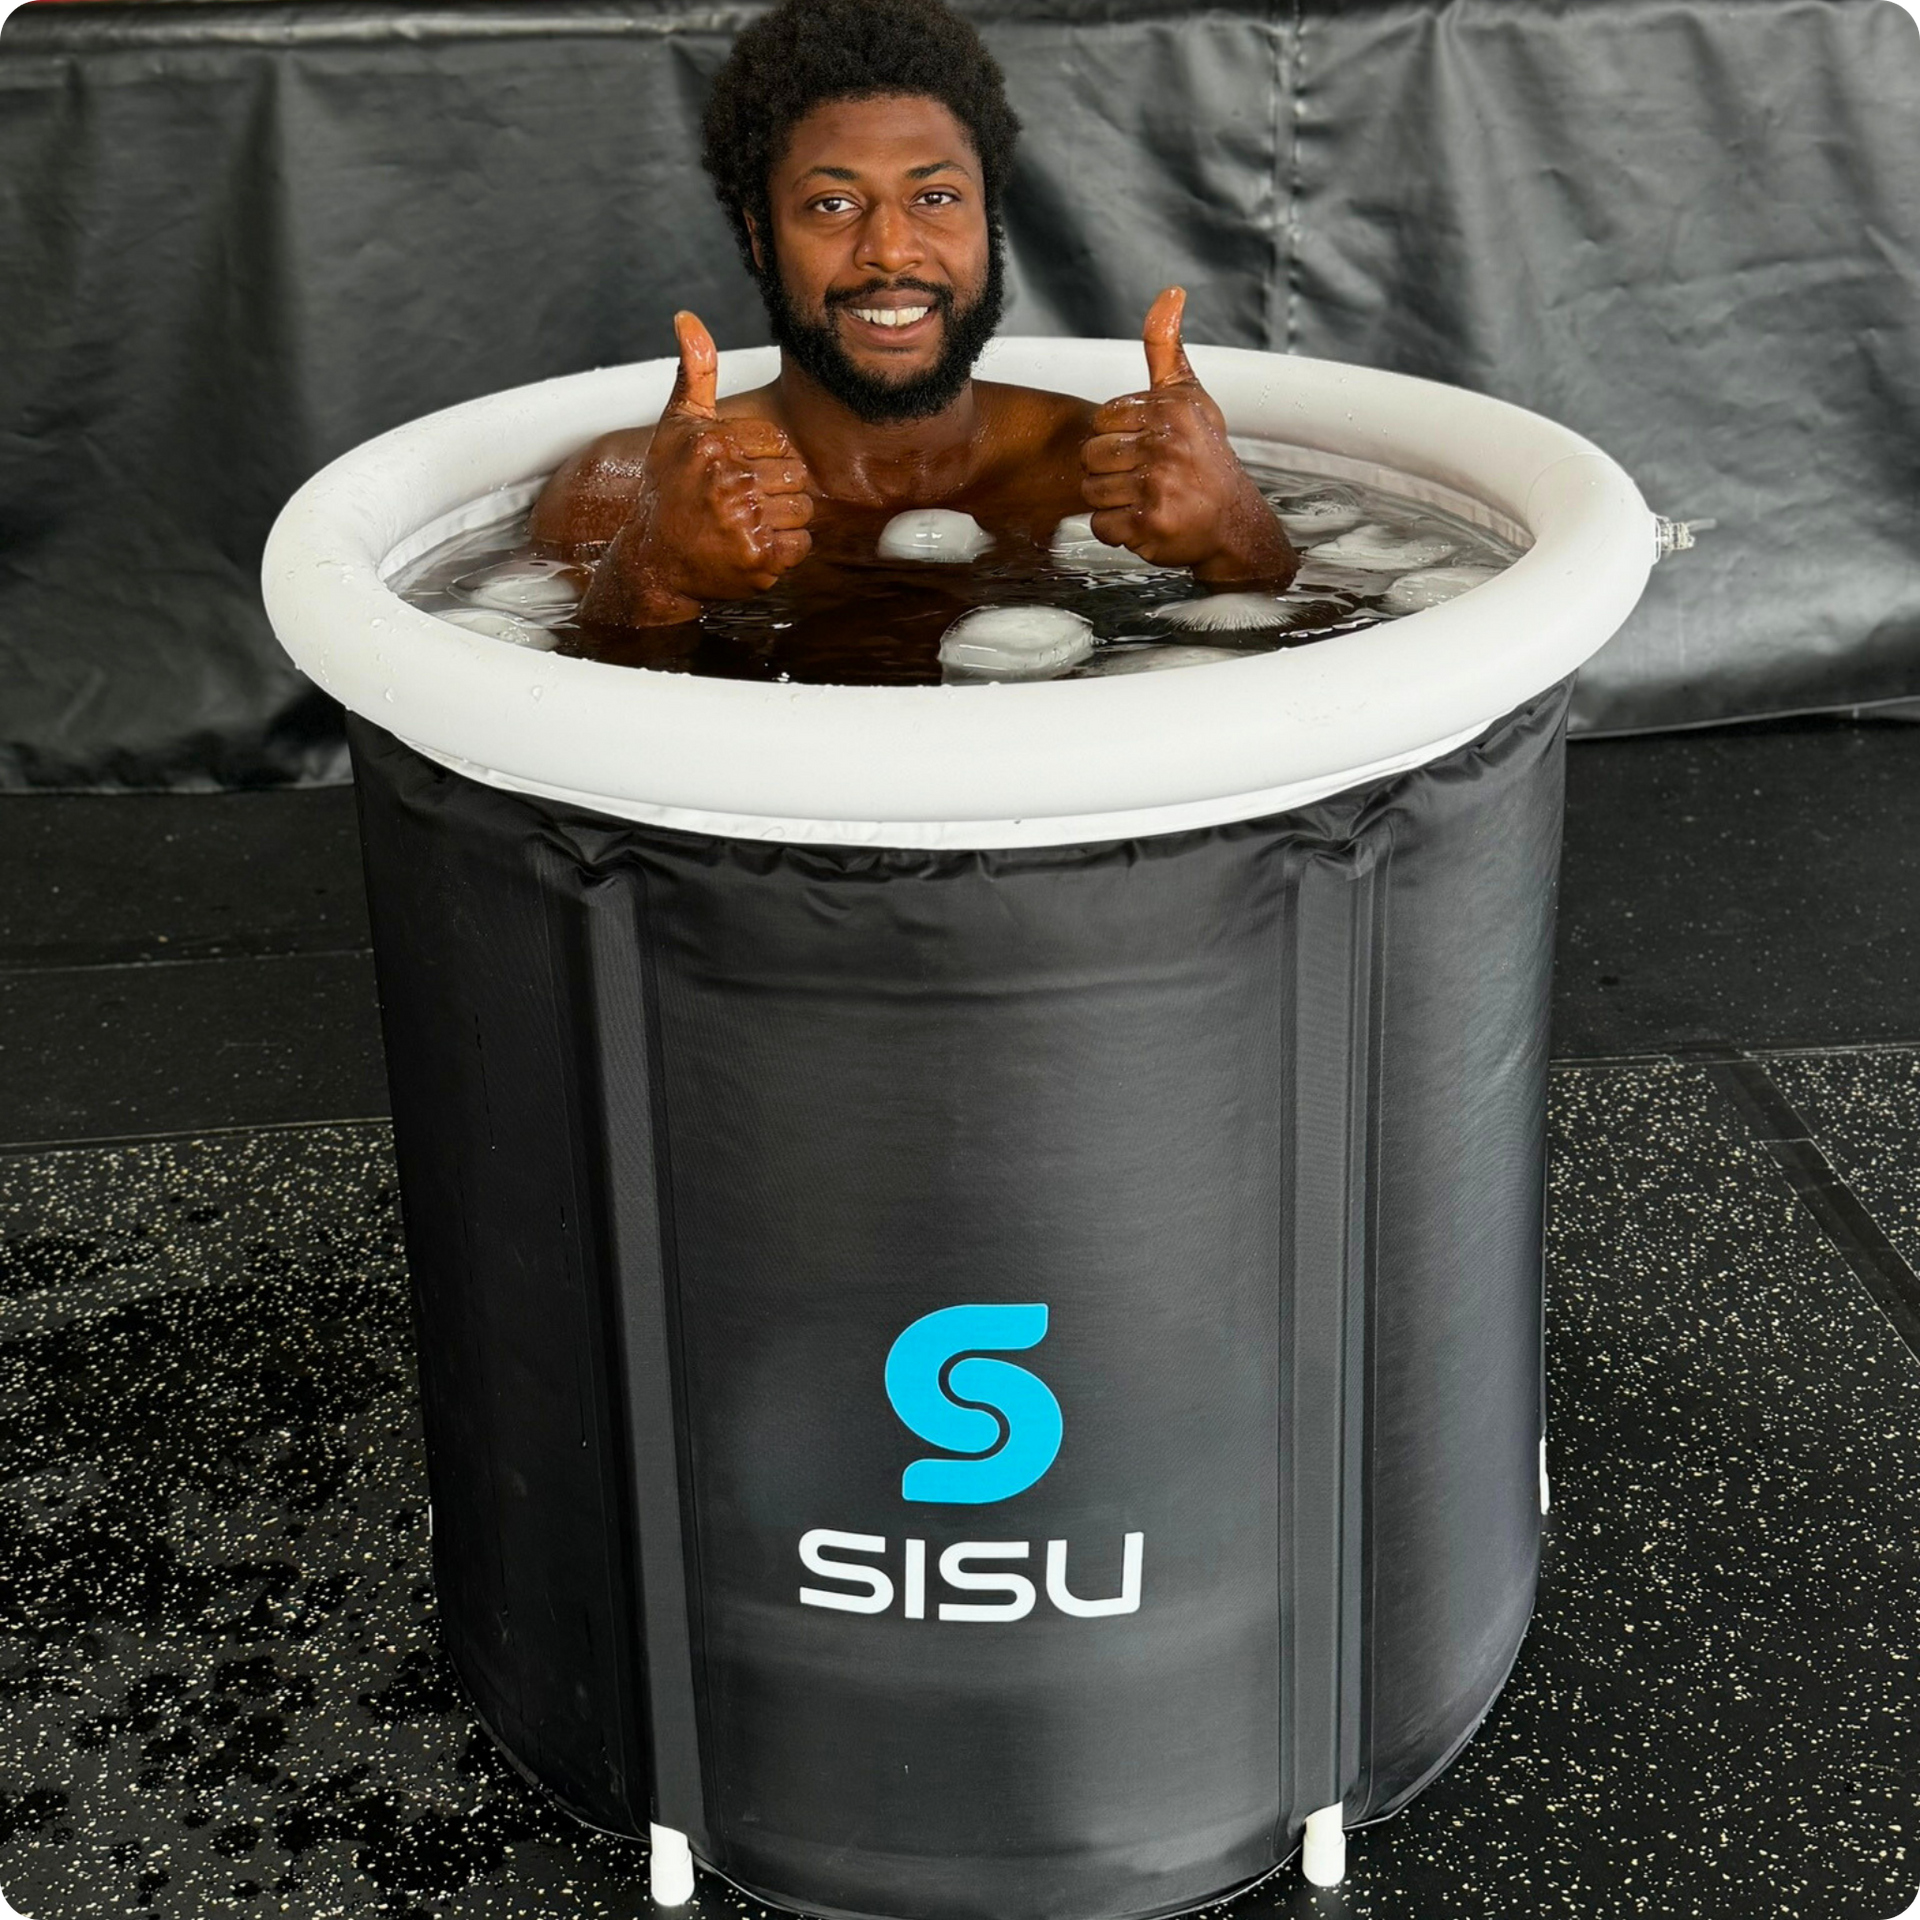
807,52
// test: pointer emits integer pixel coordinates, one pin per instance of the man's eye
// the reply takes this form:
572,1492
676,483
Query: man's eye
832,203
940,197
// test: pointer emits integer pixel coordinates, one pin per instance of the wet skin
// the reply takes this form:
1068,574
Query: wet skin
874,203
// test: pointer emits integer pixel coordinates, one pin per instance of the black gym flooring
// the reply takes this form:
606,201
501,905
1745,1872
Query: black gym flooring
221,1688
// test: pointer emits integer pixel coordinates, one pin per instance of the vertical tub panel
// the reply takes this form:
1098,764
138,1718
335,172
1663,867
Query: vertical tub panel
624,1128
501,1195
1324,1321
903,1083
1465,965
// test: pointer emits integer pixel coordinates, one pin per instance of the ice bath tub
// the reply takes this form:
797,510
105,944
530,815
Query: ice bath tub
977,1250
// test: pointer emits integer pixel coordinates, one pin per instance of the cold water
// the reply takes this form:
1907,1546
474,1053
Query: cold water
921,598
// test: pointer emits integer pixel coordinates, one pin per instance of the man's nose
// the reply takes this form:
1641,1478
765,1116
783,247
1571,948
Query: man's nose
888,242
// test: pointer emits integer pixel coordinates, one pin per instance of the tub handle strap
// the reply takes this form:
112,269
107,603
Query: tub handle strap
1326,1244
660,1535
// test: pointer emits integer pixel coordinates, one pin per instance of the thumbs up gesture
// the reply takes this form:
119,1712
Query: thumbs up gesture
1162,479
722,509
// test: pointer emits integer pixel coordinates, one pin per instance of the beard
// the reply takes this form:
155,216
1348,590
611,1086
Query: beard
814,345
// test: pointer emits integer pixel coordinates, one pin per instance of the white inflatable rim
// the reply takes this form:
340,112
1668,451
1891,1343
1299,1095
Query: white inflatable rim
1053,762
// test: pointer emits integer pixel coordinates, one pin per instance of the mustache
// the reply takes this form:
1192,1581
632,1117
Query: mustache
940,297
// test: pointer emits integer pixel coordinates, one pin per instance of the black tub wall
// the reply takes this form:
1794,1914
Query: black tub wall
244,238
1459,1201
1302,1061
507,1251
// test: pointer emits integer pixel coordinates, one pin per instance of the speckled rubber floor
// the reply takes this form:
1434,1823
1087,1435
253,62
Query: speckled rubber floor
220,1691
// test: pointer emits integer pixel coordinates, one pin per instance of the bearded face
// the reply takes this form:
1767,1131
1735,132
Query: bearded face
879,259
879,395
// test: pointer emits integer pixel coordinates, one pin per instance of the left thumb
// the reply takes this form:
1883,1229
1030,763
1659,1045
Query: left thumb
1166,357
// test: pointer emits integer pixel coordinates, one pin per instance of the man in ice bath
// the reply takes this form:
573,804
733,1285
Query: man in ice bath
861,149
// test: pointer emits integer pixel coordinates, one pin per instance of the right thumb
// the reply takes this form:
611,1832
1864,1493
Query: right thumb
696,386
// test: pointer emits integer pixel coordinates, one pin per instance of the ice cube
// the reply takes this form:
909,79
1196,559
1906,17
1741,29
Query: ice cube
1433,586
1016,643
500,626
1377,549
936,534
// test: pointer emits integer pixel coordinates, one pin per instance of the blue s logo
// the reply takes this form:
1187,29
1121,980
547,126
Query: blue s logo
1007,1449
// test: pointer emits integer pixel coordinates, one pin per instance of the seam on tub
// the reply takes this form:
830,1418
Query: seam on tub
1380,943
695,1602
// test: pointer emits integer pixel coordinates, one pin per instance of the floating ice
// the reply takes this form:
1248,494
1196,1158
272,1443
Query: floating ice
1075,546
1413,592
1377,549
934,533
1153,659
1318,513
523,586
500,626
1016,643
1231,613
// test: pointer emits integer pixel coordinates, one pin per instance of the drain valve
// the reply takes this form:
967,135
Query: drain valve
1676,536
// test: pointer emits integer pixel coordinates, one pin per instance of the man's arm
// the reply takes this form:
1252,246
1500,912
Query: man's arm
592,496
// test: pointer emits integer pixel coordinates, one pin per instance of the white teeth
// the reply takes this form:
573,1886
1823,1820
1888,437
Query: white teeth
893,316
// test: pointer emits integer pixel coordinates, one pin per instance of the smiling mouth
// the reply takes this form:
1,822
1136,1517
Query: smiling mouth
890,316
894,320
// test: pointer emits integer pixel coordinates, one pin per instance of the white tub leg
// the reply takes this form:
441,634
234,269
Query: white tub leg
671,1877
1323,1853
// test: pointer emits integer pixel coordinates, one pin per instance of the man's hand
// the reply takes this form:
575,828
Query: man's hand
1162,479
722,511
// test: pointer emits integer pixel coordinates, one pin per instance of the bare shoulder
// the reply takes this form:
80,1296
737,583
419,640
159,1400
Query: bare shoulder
757,403
1034,438
591,493
1031,419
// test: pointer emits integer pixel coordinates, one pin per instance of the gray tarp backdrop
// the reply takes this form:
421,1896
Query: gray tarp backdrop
237,239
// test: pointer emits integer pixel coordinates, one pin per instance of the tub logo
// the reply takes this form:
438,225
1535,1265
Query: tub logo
1002,1420
999,1427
